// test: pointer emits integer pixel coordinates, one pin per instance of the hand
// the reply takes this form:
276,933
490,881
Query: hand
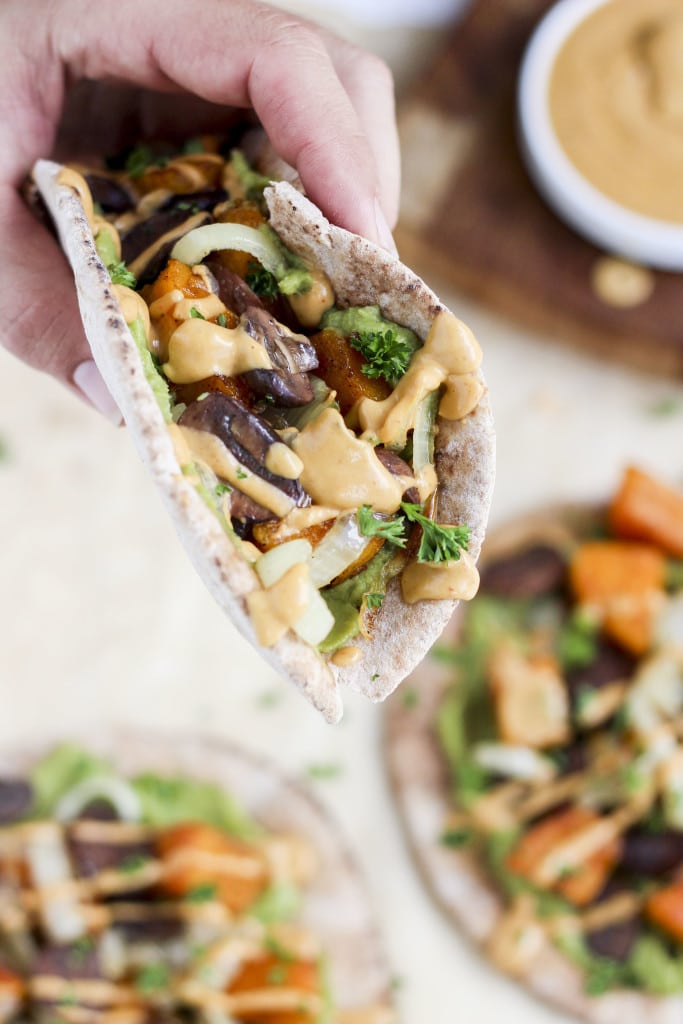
326,106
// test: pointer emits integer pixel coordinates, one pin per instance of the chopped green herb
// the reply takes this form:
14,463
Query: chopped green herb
277,975
456,837
120,274
186,205
152,978
261,281
196,314
269,699
134,863
438,543
142,157
577,643
392,530
374,676
193,146
374,600
222,320
205,892
80,949
279,902
241,475
387,354
410,698
324,771
668,406
221,489
277,949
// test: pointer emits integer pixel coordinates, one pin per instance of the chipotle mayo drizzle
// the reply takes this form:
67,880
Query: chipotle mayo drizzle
209,449
281,460
199,349
310,306
348,655
133,306
450,351
274,610
616,103
440,581
342,470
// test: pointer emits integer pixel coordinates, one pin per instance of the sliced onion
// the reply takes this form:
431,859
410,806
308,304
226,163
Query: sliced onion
197,244
275,563
423,432
49,864
340,547
116,792
317,621
669,627
514,762
656,695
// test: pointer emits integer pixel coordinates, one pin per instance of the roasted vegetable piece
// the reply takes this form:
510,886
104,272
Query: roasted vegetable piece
532,572
340,368
233,387
625,581
652,853
269,535
303,976
579,883
11,992
615,940
602,569
242,212
665,909
187,173
16,796
645,509
177,276
198,859
531,700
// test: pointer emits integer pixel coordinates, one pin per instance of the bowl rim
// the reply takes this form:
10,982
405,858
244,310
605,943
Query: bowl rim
614,227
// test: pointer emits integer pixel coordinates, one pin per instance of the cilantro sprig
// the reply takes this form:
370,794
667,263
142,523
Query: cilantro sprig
387,354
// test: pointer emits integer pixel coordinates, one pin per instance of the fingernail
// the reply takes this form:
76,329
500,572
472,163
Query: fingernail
89,382
386,239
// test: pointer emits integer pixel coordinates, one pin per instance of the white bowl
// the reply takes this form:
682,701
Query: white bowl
600,219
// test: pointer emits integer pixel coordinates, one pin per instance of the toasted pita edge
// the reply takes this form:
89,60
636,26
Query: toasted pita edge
420,779
336,906
361,273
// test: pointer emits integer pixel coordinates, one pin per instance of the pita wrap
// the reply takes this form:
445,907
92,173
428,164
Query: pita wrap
335,904
360,273
423,786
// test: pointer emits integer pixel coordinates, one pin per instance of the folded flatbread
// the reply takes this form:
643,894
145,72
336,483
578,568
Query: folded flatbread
361,274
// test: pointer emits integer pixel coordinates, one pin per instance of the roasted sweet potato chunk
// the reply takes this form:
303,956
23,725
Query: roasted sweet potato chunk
340,368
183,174
665,909
199,857
234,387
579,883
269,972
645,509
243,212
177,276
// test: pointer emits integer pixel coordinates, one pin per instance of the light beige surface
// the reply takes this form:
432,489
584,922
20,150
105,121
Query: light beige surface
102,617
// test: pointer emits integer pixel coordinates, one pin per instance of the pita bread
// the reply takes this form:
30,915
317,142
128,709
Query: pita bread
335,906
361,274
422,786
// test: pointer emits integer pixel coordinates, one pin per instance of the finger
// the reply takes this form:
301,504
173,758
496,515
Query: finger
370,87
39,318
245,54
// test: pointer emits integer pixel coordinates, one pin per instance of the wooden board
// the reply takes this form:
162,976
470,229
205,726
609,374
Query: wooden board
472,218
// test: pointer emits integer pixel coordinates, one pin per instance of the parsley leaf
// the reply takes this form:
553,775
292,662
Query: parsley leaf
438,543
392,530
120,274
387,355
455,837
374,600
222,320
220,489
241,475
133,863
262,282
195,314
193,146
577,643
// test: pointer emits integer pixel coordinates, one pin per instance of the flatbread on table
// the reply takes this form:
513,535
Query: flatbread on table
335,904
361,274
421,781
